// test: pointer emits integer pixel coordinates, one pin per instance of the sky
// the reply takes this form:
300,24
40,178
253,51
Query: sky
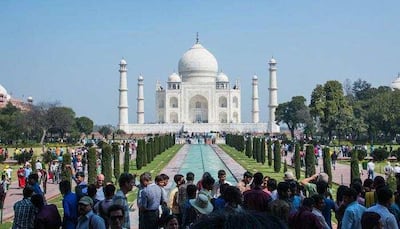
69,51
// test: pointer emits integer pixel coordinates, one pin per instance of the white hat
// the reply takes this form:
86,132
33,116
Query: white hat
202,204
288,176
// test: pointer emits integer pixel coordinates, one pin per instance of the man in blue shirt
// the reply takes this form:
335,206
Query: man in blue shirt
87,219
70,205
388,220
354,210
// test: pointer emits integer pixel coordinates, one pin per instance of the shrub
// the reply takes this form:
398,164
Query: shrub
117,165
277,156
297,163
269,152
327,163
126,158
355,171
66,167
92,159
380,154
106,162
310,161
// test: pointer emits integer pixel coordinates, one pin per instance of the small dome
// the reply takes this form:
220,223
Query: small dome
396,83
122,62
140,77
272,61
198,64
255,77
222,77
3,93
174,78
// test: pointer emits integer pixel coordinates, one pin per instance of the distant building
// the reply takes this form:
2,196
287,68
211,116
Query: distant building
20,104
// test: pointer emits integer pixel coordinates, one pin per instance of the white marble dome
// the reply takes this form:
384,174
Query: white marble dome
198,65
174,78
222,77
3,93
272,61
122,62
396,83
255,77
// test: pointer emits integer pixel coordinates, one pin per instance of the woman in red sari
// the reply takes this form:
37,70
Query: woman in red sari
21,177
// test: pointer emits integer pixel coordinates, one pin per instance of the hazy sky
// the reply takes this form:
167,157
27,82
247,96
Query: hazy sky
69,51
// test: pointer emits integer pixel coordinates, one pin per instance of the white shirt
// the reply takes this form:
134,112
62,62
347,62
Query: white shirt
371,166
100,194
38,165
396,169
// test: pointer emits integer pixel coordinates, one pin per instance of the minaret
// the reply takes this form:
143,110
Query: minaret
273,97
256,110
140,101
123,95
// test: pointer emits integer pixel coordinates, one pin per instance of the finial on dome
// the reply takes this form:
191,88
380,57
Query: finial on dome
197,37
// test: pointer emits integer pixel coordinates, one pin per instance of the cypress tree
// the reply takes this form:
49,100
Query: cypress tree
66,167
285,166
248,146
117,165
144,154
297,162
269,152
310,161
355,171
106,162
262,150
126,158
254,151
92,160
139,154
151,150
277,156
327,163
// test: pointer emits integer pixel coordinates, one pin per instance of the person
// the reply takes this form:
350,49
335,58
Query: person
87,219
28,171
396,169
309,183
5,182
304,218
81,188
207,184
334,158
353,211
256,199
21,177
271,190
388,169
244,184
221,180
24,211
319,205
99,187
116,216
171,222
33,181
152,197
126,183
371,220
388,220
182,195
38,165
101,207
9,171
329,204
189,214
70,205
47,216
173,197
281,206
202,205
371,169
144,180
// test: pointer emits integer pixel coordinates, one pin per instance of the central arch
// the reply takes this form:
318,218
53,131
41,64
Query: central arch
198,109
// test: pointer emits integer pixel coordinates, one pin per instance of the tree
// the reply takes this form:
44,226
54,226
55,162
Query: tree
92,161
248,151
262,150
106,162
141,147
117,164
105,131
294,114
277,156
330,108
126,158
310,161
66,167
297,162
355,170
61,120
84,125
10,120
327,163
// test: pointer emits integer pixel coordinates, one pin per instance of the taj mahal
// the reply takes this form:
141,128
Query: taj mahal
198,98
